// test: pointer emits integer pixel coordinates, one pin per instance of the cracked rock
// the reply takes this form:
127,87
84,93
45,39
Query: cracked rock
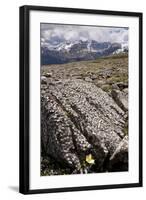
79,119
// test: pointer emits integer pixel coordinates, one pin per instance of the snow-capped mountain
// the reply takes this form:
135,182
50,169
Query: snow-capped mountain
59,47
124,49
68,51
91,46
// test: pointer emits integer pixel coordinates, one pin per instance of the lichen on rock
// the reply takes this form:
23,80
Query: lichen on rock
79,119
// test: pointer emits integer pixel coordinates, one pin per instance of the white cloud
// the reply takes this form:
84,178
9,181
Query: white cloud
53,33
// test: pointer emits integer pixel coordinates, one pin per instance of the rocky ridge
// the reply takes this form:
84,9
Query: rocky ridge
77,51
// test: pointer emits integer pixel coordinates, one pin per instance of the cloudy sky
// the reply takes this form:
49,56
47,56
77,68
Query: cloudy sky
55,33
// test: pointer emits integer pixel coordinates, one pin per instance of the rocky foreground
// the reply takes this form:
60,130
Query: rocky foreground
83,127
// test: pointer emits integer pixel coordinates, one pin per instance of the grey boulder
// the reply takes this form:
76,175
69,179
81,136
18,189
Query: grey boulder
79,119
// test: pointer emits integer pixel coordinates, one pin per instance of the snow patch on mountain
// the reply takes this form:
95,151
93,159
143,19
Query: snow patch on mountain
124,48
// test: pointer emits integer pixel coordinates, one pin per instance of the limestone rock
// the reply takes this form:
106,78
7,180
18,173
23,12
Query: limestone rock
43,80
88,79
48,74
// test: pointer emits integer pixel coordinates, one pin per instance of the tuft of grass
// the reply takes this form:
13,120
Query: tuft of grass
125,129
114,56
117,78
106,88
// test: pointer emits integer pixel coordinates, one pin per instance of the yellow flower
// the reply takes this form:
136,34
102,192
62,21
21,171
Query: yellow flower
90,159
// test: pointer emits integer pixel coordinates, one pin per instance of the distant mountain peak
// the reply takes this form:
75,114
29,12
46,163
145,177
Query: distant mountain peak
69,51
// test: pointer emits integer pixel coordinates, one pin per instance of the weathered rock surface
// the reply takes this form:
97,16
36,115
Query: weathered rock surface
119,159
121,98
43,80
78,119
